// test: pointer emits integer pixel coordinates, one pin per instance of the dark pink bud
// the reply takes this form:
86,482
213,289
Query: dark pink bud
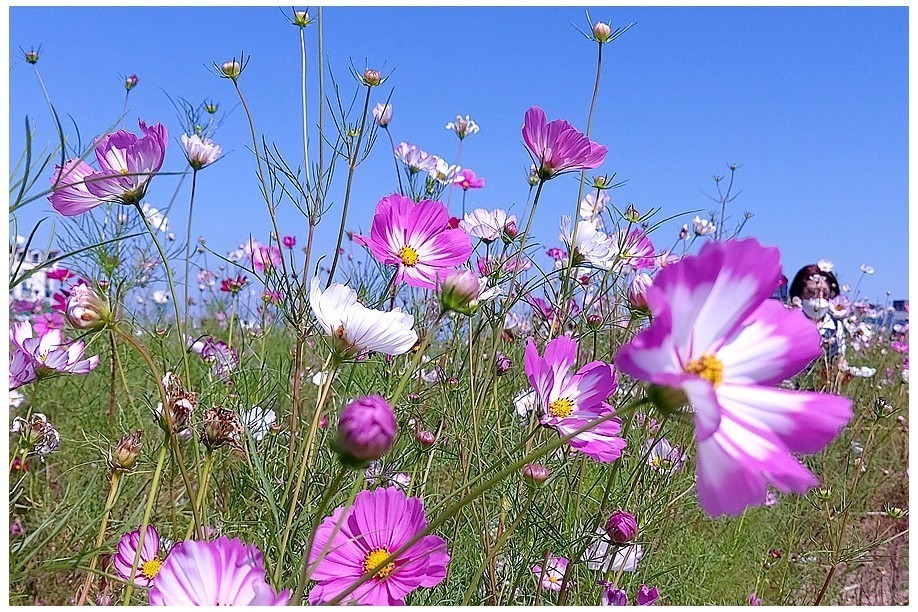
366,430
425,438
621,527
535,473
594,320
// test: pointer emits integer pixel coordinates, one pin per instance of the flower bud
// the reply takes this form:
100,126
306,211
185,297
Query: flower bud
503,364
535,473
621,527
425,438
366,430
301,19
31,56
637,291
371,78
594,321
632,214
668,400
459,292
452,383
601,32
210,107
86,310
131,82
510,232
231,69
221,427
382,113
124,457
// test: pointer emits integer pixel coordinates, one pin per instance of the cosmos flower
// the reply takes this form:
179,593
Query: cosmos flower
382,114
604,556
592,206
225,572
463,127
200,152
443,172
662,456
354,328
557,147
633,250
127,163
36,434
414,158
552,576
378,524
70,195
466,179
488,225
49,353
590,244
45,322
150,558
568,401
703,227
155,218
718,341
263,257
414,237
867,269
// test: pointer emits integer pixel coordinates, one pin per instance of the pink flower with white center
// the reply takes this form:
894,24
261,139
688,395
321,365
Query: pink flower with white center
71,195
225,572
717,342
552,575
50,353
378,524
262,256
467,179
569,401
45,322
414,237
486,225
633,250
150,559
557,147
127,163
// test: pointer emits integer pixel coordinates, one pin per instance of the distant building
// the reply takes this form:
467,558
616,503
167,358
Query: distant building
38,286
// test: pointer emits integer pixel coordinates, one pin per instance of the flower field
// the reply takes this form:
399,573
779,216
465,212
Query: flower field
420,399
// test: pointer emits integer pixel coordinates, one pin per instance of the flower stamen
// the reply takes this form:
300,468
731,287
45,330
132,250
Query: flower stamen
561,408
374,558
409,256
150,568
708,367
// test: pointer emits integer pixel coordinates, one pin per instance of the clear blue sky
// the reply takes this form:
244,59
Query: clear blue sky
811,101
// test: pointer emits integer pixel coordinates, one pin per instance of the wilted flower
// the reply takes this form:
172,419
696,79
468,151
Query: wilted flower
463,127
200,152
382,113
181,405
647,596
36,435
124,456
221,427
366,430
31,56
502,364
612,595
301,19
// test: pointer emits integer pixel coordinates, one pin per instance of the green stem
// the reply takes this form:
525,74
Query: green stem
109,504
194,180
148,510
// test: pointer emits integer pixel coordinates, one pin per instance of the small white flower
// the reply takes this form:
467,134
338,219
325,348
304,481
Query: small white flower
200,152
382,113
603,555
591,244
703,227
463,127
442,171
354,328
591,207
320,378
485,293
160,296
867,269
156,219
825,265
525,403
485,224
258,420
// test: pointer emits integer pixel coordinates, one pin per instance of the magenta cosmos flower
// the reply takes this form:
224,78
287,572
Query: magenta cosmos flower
378,524
126,165
466,179
225,572
717,339
552,575
569,401
557,146
262,256
150,560
415,237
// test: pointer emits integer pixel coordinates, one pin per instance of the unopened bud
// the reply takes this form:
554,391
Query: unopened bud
231,69
86,310
594,321
371,78
510,232
31,56
131,82
452,383
124,457
301,19
425,438
366,430
459,292
535,473
667,399
601,32
621,527
637,291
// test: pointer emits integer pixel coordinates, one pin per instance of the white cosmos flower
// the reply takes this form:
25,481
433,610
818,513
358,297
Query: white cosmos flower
604,556
199,151
415,158
825,265
591,244
354,328
156,219
463,126
160,296
525,403
382,113
486,293
259,420
442,171
703,227
320,378
486,224
591,207
867,269
17,399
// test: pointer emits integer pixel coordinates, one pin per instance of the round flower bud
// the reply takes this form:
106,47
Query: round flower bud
459,292
637,291
231,69
366,430
668,400
503,364
594,321
31,56
535,473
124,456
425,438
510,232
301,18
371,77
601,32
621,527
452,383
86,310
210,107
131,82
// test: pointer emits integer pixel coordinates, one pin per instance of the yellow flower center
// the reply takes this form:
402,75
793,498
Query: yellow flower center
123,171
150,568
409,256
374,558
561,408
708,367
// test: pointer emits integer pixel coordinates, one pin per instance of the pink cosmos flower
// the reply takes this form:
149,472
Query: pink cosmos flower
379,523
717,339
557,146
635,251
263,257
552,575
71,196
569,401
127,163
59,274
150,561
225,572
45,322
414,237
48,353
466,179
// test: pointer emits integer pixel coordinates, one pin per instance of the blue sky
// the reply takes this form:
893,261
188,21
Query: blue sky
812,102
